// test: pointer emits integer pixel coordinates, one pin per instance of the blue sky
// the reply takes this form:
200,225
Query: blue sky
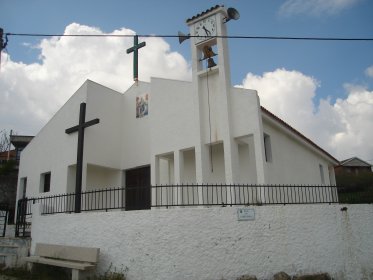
332,63
335,69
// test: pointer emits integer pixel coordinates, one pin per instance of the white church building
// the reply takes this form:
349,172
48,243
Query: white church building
174,132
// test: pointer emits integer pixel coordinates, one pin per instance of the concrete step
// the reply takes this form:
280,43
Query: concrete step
8,249
13,241
13,250
8,260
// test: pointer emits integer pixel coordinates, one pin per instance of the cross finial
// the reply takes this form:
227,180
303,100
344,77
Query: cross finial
135,50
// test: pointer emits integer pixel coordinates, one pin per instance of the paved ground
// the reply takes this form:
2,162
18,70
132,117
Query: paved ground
3,277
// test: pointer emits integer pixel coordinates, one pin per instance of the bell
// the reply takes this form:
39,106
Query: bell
210,63
207,52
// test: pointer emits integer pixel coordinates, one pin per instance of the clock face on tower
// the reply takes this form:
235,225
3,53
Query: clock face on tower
205,28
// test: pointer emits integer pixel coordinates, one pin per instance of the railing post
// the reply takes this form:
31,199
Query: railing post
200,193
21,217
4,210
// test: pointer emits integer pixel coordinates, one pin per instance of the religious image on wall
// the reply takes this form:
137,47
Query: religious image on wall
142,105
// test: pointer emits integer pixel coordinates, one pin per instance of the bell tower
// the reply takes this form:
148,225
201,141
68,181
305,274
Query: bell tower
216,151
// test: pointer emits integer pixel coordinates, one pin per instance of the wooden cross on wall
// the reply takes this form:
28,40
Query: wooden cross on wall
79,159
135,50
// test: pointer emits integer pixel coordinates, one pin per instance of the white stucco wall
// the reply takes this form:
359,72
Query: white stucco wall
293,162
135,148
210,243
248,128
118,142
247,166
103,140
171,111
188,173
99,177
50,150
245,112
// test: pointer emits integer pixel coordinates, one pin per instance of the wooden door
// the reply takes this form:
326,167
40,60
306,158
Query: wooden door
138,188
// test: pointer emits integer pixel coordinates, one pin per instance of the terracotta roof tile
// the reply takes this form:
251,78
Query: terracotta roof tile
203,13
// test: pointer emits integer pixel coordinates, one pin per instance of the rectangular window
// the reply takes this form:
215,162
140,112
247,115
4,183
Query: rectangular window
267,148
45,182
322,174
23,187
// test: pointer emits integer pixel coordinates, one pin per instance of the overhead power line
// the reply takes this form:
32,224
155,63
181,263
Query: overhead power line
176,36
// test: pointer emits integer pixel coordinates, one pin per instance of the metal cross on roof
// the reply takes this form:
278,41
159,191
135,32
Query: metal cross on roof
79,162
135,50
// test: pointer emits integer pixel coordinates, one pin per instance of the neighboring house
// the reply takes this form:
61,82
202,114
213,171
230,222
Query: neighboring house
6,156
353,165
9,161
355,175
173,132
8,182
19,142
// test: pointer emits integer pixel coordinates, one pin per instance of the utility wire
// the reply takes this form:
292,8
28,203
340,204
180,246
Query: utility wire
190,36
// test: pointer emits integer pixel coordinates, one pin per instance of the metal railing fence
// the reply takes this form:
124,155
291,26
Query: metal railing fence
4,213
229,195
185,195
23,218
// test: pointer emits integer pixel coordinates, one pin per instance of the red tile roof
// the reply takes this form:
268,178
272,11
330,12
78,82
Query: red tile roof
203,13
4,155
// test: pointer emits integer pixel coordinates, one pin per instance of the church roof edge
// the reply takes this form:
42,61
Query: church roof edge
273,116
101,85
171,80
135,84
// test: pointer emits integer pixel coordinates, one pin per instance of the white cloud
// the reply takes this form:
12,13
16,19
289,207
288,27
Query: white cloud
356,114
369,71
31,93
315,7
343,127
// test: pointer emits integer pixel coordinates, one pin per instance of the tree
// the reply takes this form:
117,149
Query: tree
355,188
4,140
8,166
8,176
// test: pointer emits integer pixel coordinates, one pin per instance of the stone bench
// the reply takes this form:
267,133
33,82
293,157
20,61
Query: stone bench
82,260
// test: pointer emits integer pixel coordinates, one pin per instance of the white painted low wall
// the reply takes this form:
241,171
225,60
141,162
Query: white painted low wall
210,243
